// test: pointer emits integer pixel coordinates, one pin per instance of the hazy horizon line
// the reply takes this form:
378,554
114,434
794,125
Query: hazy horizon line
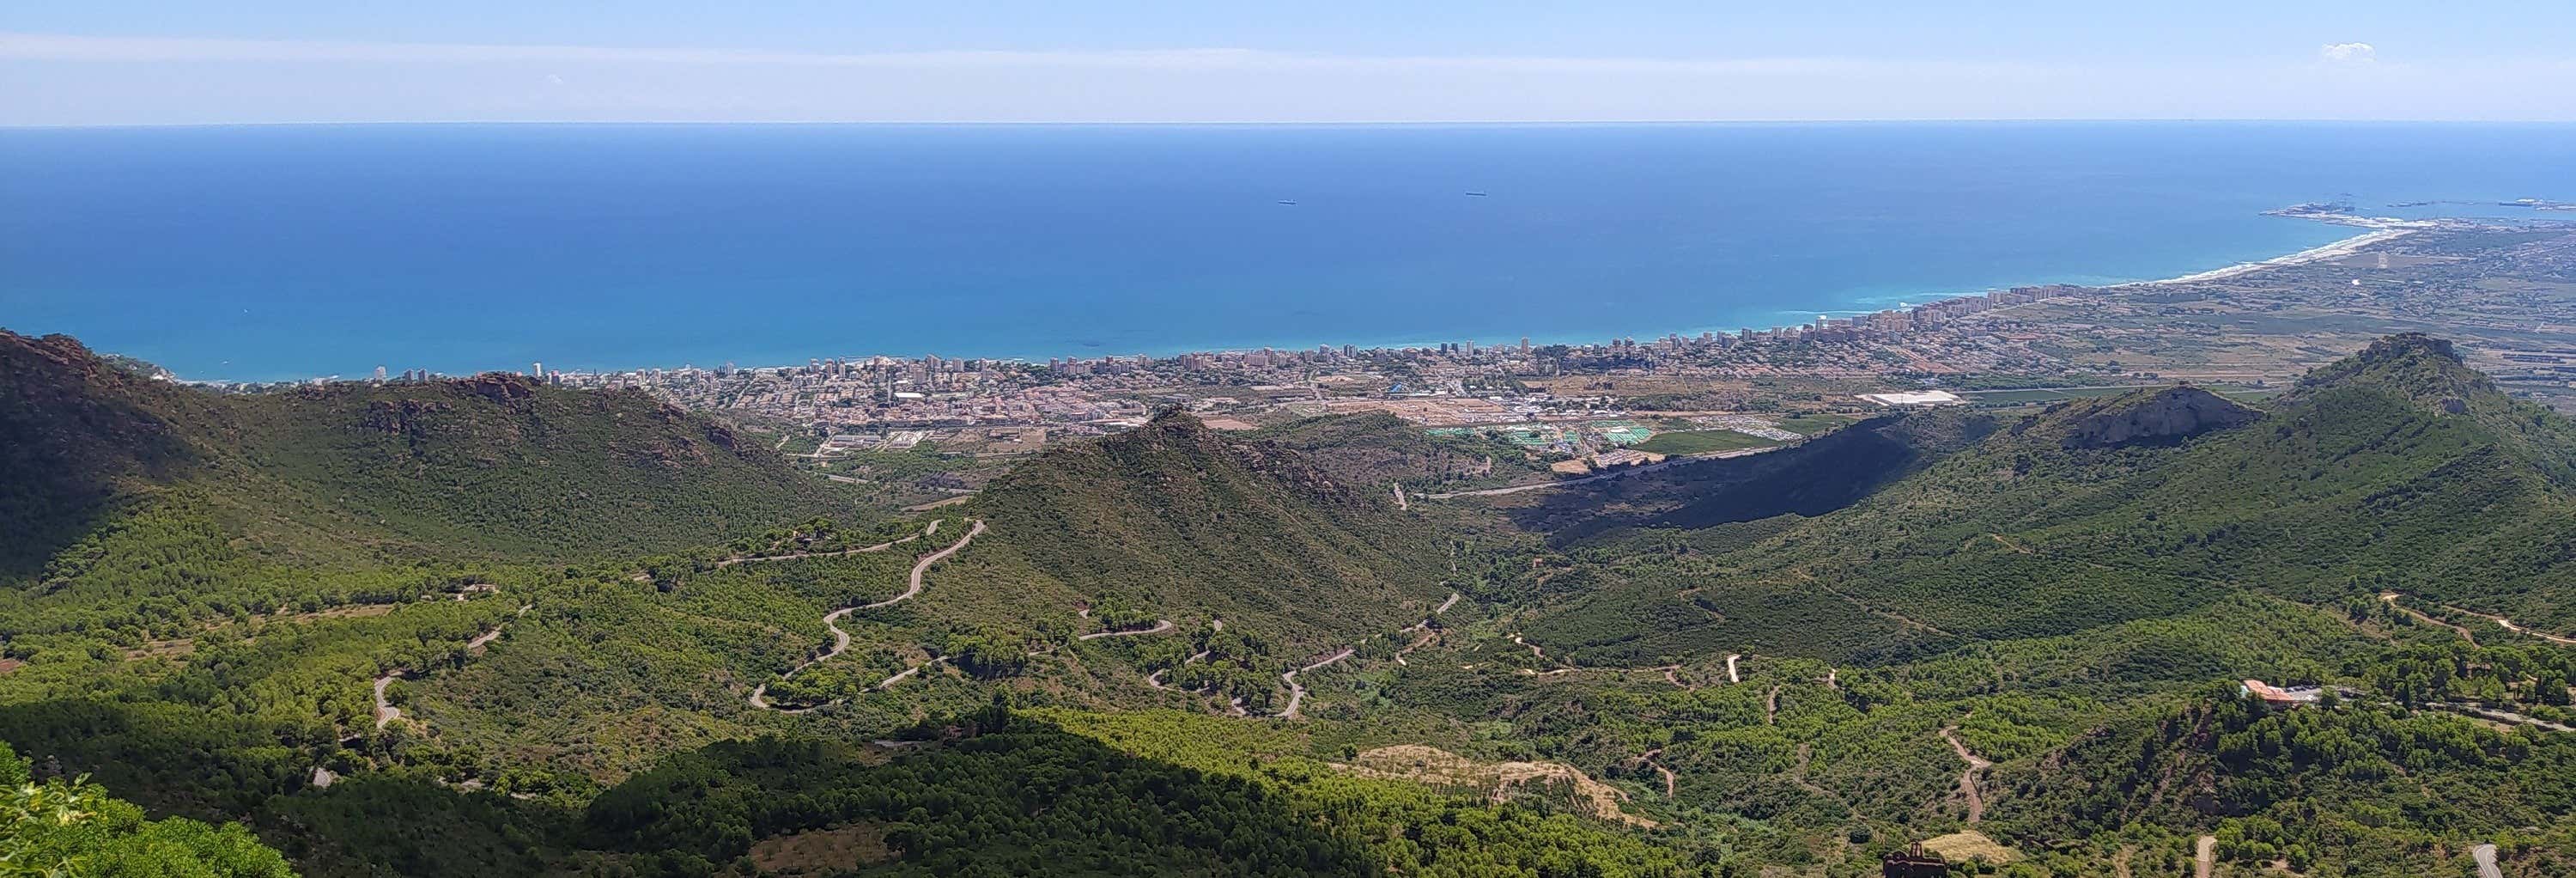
1300,123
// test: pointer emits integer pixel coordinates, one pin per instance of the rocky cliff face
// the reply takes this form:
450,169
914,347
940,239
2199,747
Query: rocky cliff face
2166,416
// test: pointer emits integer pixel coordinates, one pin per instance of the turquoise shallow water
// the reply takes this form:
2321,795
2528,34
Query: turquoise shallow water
286,251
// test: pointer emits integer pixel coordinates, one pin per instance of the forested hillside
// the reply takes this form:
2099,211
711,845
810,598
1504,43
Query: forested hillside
496,465
2397,471
1174,518
134,503
490,627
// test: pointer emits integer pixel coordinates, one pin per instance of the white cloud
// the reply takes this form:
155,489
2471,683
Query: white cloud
2349,53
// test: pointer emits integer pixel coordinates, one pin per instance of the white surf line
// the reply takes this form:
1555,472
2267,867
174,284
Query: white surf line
1297,693
1160,626
831,620
2331,250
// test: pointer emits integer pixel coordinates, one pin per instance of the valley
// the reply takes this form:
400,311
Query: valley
2020,635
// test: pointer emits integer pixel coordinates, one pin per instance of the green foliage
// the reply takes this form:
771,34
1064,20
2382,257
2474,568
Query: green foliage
115,486
74,829
1173,515
230,574
2374,787
1373,450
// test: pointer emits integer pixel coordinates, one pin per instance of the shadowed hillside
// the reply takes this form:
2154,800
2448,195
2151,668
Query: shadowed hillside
1177,518
1811,479
495,464
132,501
2398,469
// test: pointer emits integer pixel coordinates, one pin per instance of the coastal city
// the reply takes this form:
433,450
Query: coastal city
1583,408
1562,402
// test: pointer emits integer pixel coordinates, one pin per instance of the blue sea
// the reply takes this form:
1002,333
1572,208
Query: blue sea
273,252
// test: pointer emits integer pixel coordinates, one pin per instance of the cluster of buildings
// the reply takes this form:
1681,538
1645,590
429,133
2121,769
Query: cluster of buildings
1428,383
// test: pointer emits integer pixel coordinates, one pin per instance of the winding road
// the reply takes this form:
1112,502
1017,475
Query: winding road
2485,855
2205,861
2501,622
841,639
1648,758
2391,597
926,531
1297,693
386,712
1968,778
1160,626
1155,679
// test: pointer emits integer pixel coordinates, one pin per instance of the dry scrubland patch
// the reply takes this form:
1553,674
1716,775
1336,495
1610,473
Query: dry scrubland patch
1964,846
821,851
1421,764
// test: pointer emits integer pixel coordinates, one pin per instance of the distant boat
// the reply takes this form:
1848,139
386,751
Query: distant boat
1287,202
1476,195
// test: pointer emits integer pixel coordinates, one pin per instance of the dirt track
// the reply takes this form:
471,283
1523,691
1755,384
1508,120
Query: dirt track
841,639
1968,778
1160,626
1297,693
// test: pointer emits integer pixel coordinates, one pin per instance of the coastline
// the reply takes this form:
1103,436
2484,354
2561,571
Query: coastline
2380,230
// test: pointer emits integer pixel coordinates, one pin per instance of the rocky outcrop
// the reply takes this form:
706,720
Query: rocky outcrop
501,387
2167,416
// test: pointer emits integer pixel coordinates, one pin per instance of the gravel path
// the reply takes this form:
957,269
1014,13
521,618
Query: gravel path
841,639
1968,778
1160,626
1297,693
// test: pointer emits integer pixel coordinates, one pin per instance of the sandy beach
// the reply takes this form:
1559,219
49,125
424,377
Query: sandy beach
2336,250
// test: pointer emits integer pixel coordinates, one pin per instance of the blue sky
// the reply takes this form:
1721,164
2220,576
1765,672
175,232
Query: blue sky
191,61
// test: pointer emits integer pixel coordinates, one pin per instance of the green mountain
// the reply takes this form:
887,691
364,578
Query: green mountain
2397,470
563,632
1182,522
495,465
133,500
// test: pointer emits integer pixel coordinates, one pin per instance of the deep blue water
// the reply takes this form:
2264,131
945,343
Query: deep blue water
284,251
